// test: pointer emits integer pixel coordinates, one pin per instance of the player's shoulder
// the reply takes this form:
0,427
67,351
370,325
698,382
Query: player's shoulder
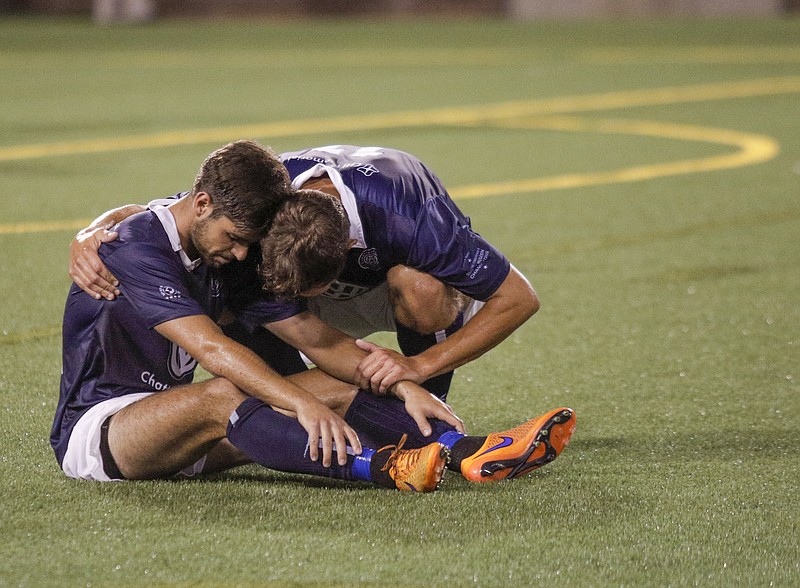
341,157
141,228
141,234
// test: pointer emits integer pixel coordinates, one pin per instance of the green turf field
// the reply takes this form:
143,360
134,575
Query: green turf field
644,176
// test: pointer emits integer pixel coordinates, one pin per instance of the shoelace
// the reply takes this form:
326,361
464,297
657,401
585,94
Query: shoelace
395,453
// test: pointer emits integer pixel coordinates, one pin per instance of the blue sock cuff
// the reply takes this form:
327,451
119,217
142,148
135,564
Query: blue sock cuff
360,469
449,438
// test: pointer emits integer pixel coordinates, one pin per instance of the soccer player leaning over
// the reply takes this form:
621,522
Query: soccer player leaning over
404,416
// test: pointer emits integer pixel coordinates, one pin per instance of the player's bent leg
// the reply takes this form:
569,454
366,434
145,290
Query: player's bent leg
223,456
421,302
164,433
412,343
279,442
518,451
426,311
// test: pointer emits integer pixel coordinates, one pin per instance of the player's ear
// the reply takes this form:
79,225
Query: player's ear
202,204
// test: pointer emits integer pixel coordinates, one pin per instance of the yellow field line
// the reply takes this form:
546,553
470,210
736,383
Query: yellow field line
752,149
437,117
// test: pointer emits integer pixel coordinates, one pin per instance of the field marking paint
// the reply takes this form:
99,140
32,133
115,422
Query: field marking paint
517,114
752,149
436,117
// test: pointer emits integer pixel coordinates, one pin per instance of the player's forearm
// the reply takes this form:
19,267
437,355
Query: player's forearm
339,360
465,345
245,370
332,351
225,358
514,302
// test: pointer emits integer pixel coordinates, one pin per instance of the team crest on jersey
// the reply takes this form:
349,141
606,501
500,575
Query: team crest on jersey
180,362
367,169
369,259
169,292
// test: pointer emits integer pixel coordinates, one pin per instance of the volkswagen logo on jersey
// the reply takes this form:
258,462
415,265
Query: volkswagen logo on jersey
369,259
180,362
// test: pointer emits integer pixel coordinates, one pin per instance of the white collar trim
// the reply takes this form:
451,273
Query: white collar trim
346,195
168,222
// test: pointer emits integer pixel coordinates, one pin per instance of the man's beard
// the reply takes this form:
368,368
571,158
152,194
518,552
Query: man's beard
198,236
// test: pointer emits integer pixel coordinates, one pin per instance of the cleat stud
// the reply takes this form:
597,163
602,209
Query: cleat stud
567,413
544,432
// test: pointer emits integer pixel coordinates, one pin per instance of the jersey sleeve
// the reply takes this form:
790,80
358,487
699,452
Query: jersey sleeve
446,247
151,281
267,309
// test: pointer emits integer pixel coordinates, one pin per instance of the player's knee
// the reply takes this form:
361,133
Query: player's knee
421,302
223,393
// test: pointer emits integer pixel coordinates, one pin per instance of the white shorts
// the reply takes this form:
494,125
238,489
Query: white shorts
360,316
368,313
83,460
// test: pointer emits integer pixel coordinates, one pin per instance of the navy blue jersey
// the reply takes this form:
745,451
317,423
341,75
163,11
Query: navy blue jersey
110,348
400,213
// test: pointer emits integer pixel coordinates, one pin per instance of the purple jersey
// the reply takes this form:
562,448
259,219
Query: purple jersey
400,213
110,347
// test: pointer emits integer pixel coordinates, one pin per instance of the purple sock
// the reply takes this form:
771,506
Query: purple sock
382,420
279,442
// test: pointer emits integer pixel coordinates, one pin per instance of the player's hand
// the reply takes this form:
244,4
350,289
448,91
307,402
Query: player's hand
421,405
325,430
85,267
383,368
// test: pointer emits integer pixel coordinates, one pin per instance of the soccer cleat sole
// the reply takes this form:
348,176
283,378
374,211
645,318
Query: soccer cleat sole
547,443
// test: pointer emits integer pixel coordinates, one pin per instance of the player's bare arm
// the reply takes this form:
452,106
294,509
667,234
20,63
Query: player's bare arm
338,355
85,267
330,349
513,303
201,338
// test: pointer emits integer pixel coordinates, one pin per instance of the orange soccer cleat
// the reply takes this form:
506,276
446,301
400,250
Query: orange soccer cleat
416,470
520,450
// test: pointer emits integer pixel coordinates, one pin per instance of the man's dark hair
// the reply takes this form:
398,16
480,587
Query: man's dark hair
246,182
306,246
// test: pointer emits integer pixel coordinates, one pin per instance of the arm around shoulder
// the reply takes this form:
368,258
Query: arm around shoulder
85,266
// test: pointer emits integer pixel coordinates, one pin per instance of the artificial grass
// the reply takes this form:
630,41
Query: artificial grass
669,317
